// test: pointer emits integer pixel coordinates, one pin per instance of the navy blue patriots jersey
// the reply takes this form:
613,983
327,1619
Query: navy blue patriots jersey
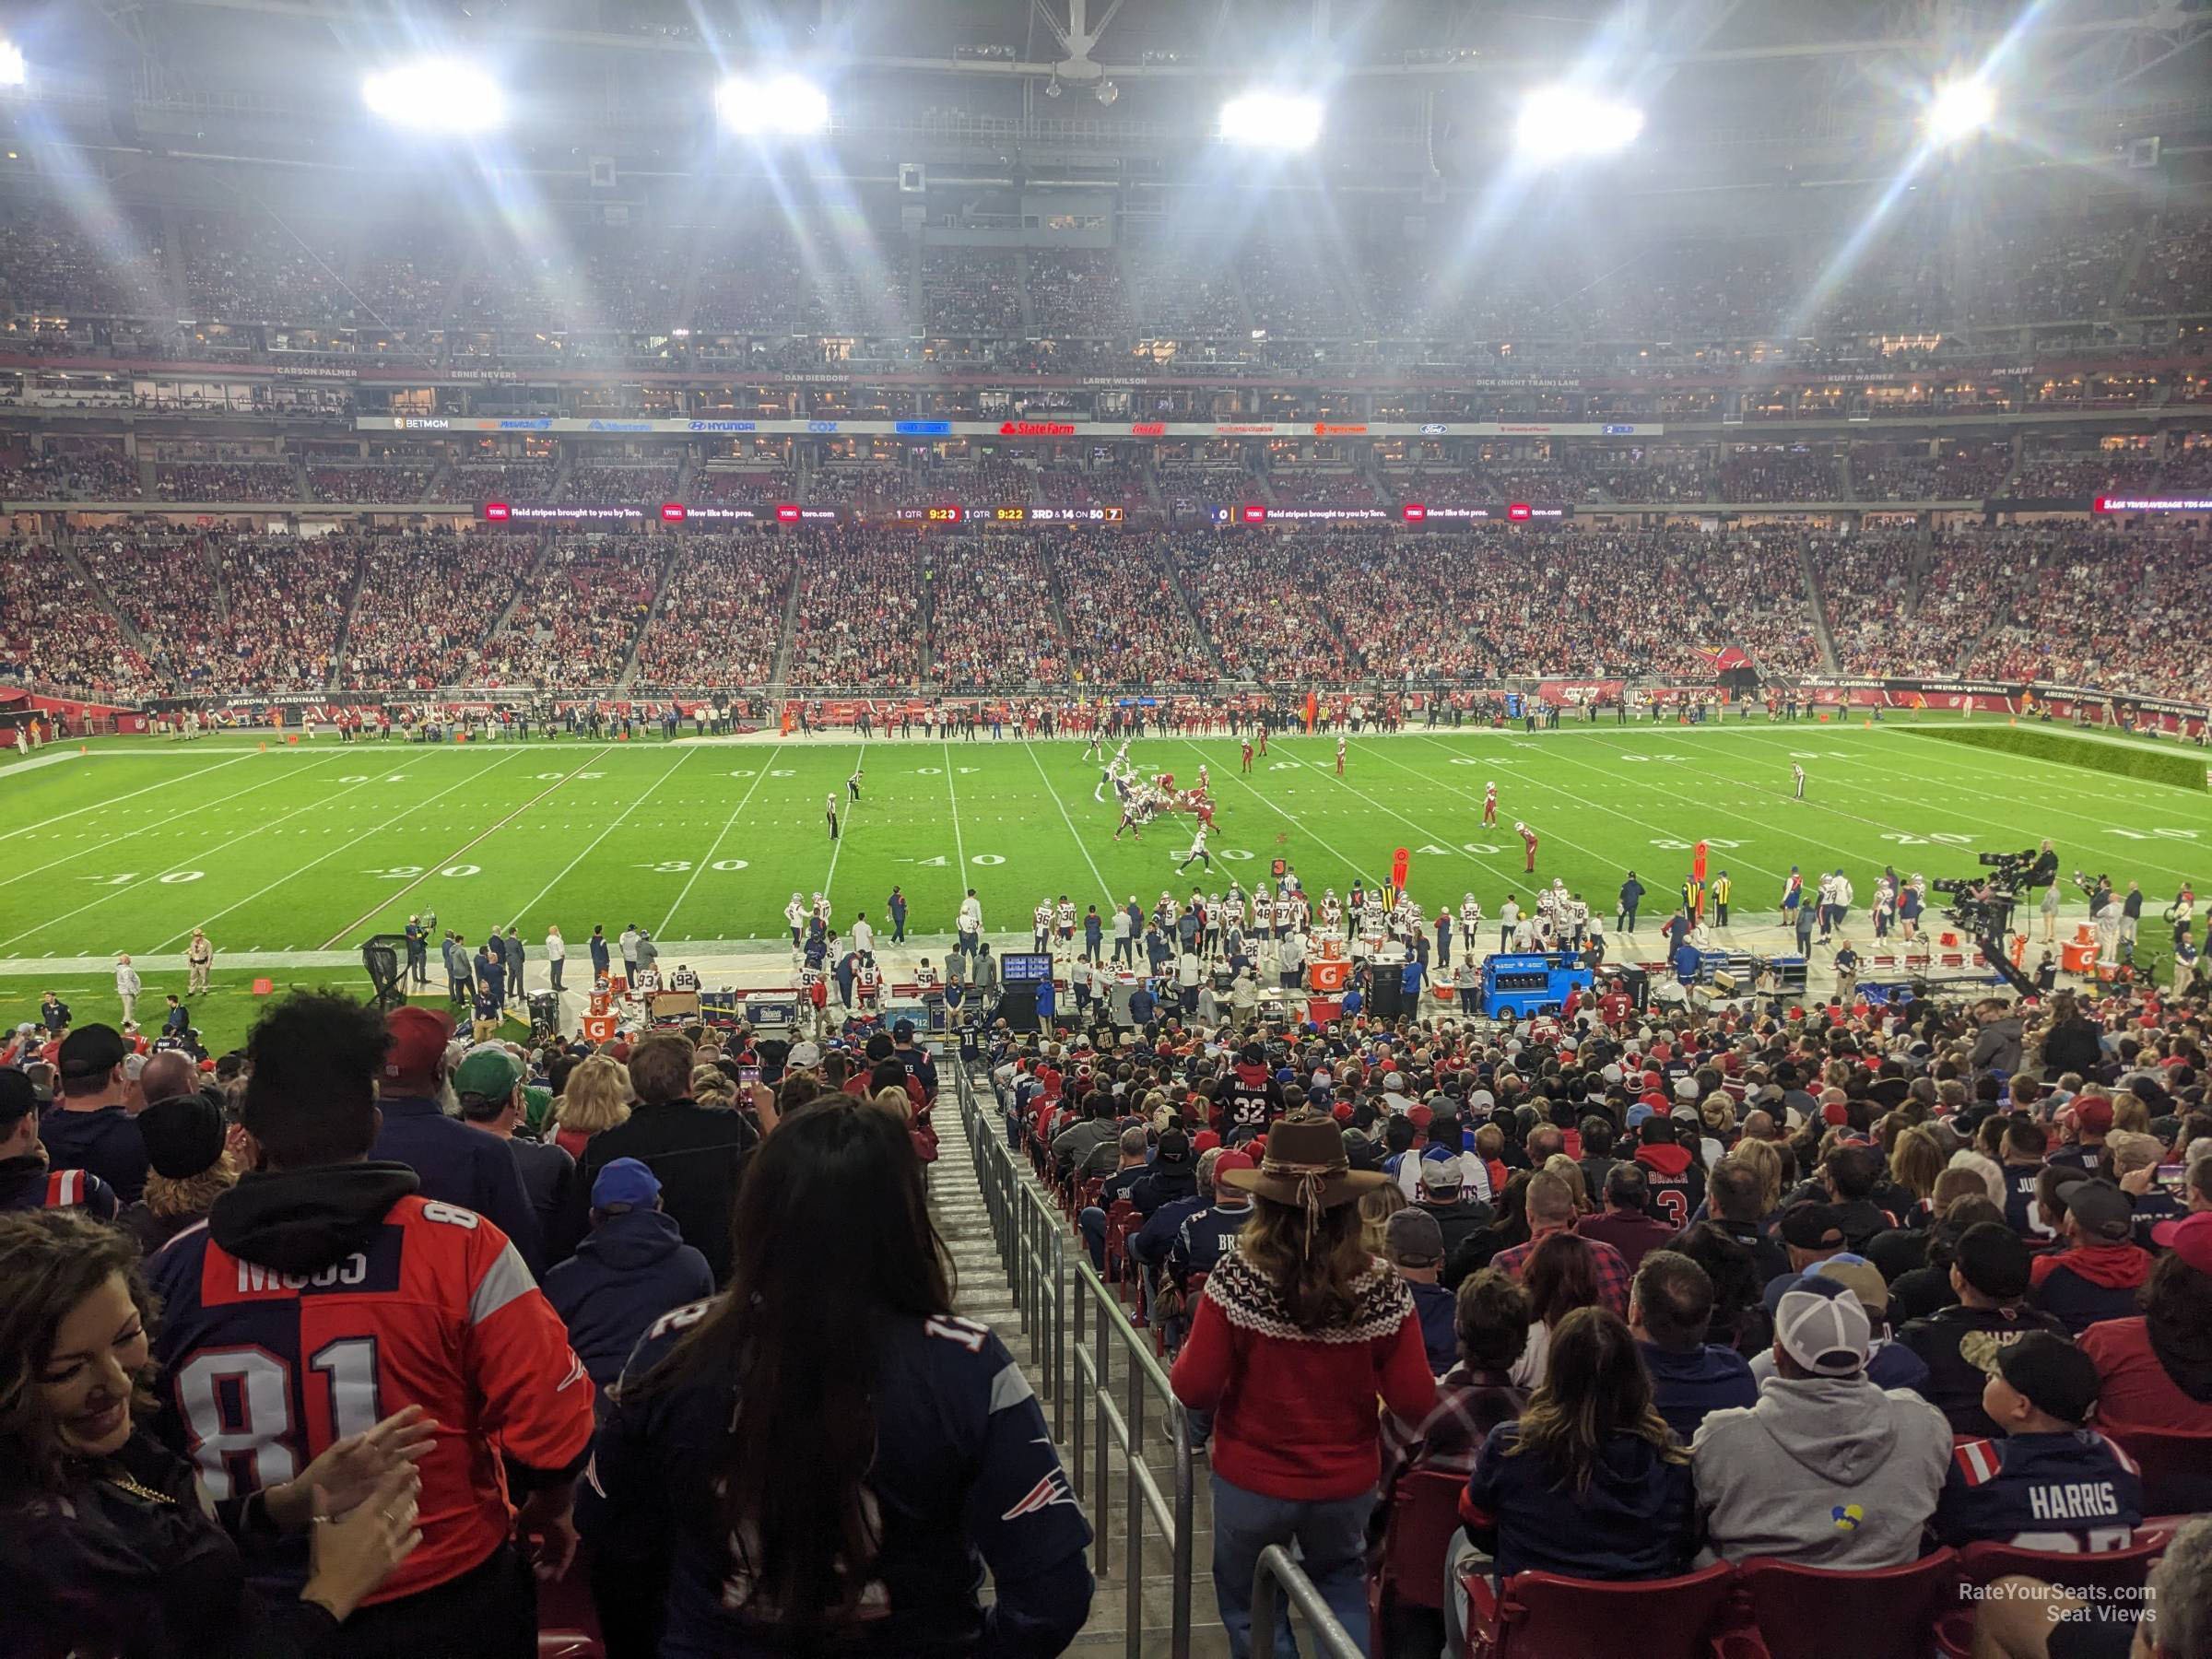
965,1474
2076,1493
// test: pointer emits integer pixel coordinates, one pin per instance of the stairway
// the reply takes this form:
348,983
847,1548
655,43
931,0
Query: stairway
1818,601
963,1214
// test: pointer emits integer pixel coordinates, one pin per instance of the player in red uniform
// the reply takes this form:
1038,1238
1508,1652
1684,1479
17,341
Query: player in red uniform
1489,803
1340,754
1528,839
1247,754
323,1294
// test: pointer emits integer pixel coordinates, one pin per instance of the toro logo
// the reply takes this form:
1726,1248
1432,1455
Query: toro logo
1253,513
1518,512
1037,428
1416,513
498,511
1148,429
786,514
672,512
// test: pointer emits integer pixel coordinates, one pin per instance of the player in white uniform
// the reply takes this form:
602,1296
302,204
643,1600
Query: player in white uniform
1284,915
1041,924
1198,854
822,911
1332,913
1374,919
1063,918
1212,917
1470,918
1262,910
1489,803
795,912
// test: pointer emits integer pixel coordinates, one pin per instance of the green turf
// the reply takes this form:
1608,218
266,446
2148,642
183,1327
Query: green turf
2183,768
318,846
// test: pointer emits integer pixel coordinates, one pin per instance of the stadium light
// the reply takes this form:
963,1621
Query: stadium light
780,106
1959,109
1561,123
14,71
440,93
1278,120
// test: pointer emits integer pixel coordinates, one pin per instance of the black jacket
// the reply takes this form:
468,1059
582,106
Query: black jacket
1952,1341
2071,1047
697,1152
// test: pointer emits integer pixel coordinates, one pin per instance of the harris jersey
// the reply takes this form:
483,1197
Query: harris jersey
965,1477
2075,1493
262,1370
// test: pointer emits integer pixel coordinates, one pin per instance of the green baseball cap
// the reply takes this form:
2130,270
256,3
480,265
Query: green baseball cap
489,1073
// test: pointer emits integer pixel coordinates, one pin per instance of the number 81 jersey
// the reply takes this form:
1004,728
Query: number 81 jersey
339,1300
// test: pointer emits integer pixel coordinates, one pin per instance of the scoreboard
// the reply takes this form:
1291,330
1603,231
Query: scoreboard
952,513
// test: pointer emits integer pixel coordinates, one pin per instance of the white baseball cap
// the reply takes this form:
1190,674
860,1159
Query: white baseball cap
1825,1335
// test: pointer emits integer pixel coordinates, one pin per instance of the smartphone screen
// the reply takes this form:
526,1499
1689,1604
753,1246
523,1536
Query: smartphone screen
2170,1177
749,1075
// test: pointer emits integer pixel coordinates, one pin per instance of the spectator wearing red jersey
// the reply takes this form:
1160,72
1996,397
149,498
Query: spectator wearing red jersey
323,1291
1298,1333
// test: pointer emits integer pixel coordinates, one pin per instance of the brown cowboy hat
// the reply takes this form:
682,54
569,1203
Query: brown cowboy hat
1305,1166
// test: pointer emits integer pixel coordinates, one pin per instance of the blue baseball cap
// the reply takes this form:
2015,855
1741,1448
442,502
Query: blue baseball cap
625,1185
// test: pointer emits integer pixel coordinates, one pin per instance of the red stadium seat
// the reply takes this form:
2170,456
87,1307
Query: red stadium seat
1121,1223
1424,1514
2106,1569
2177,1468
1548,1615
568,1644
1812,1613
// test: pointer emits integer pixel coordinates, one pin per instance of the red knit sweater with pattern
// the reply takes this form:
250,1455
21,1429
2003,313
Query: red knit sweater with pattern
1295,1410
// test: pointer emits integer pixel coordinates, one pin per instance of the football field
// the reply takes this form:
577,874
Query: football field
314,846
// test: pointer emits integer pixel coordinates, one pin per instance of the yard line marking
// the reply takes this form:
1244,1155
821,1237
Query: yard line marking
118,800
634,805
2056,787
391,898
759,773
187,812
166,869
1350,864
958,846
1097,874
1458,851
473,777
1580,800
838,846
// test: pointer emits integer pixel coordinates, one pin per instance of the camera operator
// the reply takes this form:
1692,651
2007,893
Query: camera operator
2043,872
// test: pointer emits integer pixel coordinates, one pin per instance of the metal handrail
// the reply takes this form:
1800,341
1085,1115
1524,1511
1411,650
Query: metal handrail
1278,1572
1032,1239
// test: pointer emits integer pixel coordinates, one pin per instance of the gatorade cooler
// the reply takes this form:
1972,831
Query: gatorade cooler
598,1027
1329,976
1322,1011
2078,958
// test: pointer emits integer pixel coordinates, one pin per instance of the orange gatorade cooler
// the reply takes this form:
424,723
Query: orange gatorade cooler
1328,976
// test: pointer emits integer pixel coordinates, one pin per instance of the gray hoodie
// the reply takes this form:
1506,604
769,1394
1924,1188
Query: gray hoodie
1823,1471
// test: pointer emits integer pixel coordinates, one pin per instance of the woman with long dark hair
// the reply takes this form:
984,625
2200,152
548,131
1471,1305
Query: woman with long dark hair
1588,1481
109,1546
825,1457
1300,1330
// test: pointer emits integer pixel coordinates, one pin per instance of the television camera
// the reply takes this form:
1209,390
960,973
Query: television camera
1981,905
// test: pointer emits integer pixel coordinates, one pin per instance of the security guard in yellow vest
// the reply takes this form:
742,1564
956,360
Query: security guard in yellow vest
1721,889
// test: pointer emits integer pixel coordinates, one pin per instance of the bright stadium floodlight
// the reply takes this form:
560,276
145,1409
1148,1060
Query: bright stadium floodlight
14,71
1278,121
1560,123
778,106
1959,109
437,93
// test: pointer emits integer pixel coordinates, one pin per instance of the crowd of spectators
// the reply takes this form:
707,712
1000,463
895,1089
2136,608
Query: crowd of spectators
226,481
1293,290
162,583
286,600
1779,472
1078,293
425,602
2091,606
993,619
56,633
1316,487
721,615
1072,483
255,269
365,482
83,260
574,619
1868,585
496,481
2176,270
1257,601
1652,475
642,484
1955,472
974,292
83,473
738,487
859,618
1127,625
